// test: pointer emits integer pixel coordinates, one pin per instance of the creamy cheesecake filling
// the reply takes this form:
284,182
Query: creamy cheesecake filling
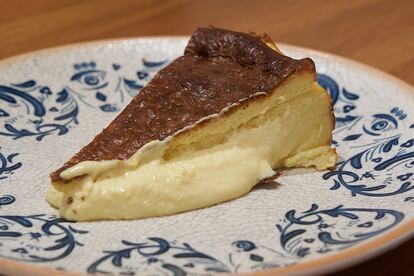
292,129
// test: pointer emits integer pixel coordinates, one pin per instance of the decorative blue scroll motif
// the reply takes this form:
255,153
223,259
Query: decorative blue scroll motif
112,88
32,109
156,256
248,256
7,164
383,166
24,108
36,238
320,231
344,102
384,161
314,231
6,200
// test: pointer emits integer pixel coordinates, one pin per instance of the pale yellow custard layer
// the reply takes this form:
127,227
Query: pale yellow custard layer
291,130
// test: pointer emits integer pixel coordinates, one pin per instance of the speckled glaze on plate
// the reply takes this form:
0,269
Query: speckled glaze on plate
54,101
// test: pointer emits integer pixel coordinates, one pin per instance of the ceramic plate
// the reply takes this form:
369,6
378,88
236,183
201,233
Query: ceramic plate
54,101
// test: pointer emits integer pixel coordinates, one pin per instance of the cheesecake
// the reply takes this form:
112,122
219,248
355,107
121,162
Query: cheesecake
230,113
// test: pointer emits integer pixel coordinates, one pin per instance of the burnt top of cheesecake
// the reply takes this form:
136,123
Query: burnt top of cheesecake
218,68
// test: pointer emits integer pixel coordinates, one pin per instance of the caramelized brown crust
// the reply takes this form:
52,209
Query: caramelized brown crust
218,68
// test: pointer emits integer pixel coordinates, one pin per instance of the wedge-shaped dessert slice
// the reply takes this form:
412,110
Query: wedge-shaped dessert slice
206,129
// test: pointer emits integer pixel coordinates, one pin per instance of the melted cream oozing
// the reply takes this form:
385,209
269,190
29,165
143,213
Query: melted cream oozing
147,185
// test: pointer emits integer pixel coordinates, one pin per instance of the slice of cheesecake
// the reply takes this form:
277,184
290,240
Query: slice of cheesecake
206,129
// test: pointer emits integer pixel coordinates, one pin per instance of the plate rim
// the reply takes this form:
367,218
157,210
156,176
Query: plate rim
335,262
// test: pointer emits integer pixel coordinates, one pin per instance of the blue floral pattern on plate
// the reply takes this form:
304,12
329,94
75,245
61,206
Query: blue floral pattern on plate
6,200
375,169
26,104
7,164
156,254
312,232
37,238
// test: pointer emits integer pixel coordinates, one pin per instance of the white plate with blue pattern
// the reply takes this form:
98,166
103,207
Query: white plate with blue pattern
54,101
